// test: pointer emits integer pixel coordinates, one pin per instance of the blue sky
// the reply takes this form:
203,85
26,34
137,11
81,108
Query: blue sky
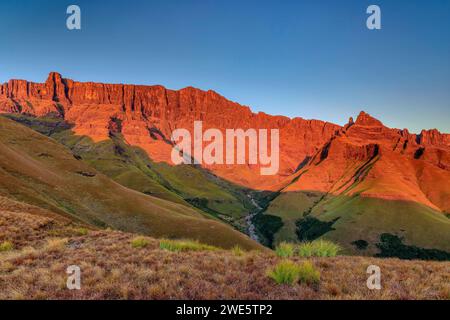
314,59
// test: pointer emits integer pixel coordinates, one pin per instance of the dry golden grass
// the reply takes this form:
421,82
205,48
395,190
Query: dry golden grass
22,228
112,269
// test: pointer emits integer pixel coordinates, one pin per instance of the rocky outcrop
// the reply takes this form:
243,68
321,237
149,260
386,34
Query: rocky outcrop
365,119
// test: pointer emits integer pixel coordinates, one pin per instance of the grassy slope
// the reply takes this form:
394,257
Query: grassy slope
367,218
37,170
362,218
112,269
291,207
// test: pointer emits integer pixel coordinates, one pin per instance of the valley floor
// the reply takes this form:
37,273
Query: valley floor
112,268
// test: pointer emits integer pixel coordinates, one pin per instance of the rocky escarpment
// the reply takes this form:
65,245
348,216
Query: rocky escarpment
146,116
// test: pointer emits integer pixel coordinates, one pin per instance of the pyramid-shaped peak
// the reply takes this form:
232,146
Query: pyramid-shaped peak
365,119
54,77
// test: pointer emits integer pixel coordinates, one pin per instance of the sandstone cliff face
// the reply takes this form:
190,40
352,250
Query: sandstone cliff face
366,158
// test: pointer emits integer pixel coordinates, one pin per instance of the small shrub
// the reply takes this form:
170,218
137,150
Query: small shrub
6,246
184,245
139,242
285,272
268,225
285,250
318,248
308,274
81,231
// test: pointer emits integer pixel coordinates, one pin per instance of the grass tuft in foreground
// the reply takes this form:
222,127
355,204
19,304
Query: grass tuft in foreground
139,242
288,272
308,274
285,272
285,250
237,251
185,245
6,246
318,248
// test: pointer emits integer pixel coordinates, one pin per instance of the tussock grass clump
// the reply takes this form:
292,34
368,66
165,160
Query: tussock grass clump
285,272
81,231
285,250
288,272
184,245
139,242
237,251
6,246
318,248
308,274
56,244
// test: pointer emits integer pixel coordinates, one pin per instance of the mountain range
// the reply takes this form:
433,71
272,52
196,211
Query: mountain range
100,154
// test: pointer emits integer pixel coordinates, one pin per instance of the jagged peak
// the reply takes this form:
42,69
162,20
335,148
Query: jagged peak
365,119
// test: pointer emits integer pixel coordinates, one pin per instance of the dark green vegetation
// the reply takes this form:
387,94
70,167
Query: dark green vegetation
360,244
310,228
268,225
392,246
290,207
288,272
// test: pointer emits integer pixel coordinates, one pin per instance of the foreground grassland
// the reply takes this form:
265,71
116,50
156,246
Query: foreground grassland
118,265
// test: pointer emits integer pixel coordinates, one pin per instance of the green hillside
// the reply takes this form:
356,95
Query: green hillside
130,166
347,220
38,170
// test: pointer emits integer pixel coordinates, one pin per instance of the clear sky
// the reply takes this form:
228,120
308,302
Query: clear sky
311,58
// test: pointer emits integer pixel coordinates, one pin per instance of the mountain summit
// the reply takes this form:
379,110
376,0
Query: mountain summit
365,119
